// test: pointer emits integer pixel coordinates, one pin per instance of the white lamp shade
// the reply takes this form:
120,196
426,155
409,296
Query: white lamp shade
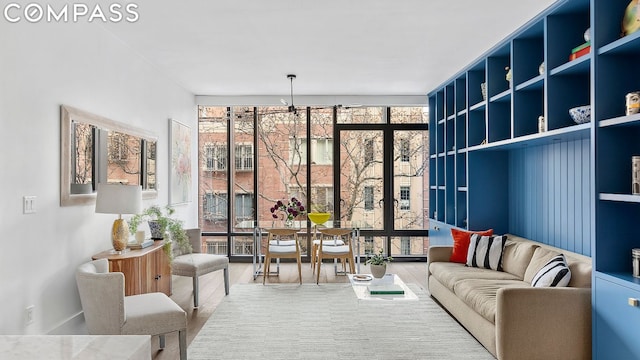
119,199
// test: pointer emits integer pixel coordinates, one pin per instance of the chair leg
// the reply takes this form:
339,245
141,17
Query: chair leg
182,341
265,271
319,259
226,281
299,269
195,291
161,340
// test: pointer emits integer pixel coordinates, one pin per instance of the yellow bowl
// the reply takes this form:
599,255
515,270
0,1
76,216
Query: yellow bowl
318,218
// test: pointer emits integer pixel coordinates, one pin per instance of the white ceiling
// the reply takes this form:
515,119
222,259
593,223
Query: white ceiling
335,47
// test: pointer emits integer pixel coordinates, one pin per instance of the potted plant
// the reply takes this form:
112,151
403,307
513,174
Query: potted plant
378,263
161,222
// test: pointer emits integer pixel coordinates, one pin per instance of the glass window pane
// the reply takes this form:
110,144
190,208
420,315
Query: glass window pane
409,115
409,246
82,158
361,115
282,153
213,156
123,158
151,165
322,161
411,179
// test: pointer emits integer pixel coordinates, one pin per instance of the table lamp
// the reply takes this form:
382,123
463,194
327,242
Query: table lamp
119,199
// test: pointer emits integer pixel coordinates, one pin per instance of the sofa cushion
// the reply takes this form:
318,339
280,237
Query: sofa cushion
554,273
540,258
516,257
486,251
481,294
461,240
450,273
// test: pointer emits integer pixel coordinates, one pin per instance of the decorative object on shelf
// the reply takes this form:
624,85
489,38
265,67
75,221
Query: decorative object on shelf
541,125
483,89
180,163
631,19
119,199
161,223
633,102
635,256
287,212
579,51
484,141
509,75
541,68
378,264
581,114
140,235
587,35
635,175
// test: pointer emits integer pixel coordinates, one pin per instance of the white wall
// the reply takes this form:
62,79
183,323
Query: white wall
43,66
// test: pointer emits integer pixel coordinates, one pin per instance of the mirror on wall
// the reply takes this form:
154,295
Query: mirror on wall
96,149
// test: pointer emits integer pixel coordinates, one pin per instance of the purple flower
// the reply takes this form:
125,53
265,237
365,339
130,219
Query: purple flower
279,203
274,216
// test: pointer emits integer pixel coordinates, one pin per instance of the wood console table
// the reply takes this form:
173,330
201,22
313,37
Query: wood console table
145,270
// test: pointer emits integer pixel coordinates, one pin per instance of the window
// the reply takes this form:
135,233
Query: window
368,197
217,247
405,245
405,198
368,245
214,207
404,150
297,151
215,157
244,157
322,199
368,151
322,152
244,207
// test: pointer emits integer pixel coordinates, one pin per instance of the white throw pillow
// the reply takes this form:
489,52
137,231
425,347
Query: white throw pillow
486,251
554,273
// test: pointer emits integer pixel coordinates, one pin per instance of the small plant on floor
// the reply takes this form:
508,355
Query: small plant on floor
379,259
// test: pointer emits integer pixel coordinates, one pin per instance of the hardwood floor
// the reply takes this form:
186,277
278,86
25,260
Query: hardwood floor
212,292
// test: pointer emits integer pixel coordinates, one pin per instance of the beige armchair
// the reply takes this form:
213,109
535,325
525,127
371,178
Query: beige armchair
196,264
108,312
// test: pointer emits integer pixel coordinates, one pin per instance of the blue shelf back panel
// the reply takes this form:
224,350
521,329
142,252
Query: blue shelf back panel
549,192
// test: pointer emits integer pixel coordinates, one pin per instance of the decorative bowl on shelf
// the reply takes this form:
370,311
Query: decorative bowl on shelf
319,218
581,114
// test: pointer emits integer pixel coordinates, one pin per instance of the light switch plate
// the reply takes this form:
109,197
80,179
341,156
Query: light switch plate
28,204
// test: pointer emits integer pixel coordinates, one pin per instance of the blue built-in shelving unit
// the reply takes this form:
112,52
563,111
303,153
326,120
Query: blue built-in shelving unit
569,185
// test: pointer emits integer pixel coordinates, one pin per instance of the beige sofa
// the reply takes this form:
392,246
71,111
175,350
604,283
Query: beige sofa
509,317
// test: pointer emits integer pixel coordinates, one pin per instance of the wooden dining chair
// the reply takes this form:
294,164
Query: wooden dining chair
282,243
329,248
315,243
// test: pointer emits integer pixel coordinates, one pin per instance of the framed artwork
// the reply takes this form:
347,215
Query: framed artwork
180,163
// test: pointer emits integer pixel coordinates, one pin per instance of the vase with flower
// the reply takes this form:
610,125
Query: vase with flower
287,212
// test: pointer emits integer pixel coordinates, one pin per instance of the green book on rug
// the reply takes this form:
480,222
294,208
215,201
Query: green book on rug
391,289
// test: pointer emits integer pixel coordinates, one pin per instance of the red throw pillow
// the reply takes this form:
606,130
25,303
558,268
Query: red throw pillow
461,240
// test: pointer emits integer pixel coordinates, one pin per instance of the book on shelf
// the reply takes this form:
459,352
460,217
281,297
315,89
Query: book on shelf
386,289
580,53
578,48
144,244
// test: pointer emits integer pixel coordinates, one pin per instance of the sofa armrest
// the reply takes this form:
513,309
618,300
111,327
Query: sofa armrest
439,253
543,323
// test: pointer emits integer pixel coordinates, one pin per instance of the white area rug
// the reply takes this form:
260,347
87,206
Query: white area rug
327,321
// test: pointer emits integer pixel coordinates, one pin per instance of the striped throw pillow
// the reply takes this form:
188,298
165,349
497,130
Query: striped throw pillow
554,273
486,251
